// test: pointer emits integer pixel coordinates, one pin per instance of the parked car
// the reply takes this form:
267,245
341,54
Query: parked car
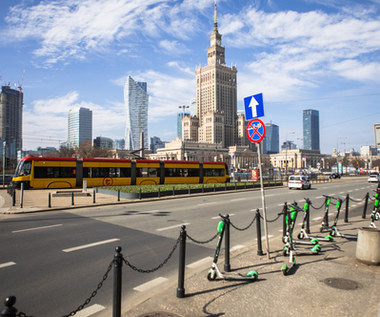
334,175
299,181
373,177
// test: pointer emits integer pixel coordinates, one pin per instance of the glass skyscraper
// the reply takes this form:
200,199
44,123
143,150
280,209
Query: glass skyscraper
311,129
136,111
271,141
11,102
79,126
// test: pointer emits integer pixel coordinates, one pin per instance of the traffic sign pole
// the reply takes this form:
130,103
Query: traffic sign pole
263,200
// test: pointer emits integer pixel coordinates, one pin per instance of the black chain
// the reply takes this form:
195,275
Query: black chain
202,242
21,314
93,294
357,201
157,267
242,229
275,219
317,207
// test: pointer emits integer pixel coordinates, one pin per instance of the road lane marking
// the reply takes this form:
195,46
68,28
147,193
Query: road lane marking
269,236
317,218
172,227
218,217
149,285
37,228
6,264
238,199
90,245
236,247
200,263
91,310
210,203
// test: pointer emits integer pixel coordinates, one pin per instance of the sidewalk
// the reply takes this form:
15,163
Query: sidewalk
333,283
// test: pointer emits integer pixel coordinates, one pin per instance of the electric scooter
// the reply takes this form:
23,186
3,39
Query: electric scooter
375,214
325,220
303,233
214,272
334,232
289,247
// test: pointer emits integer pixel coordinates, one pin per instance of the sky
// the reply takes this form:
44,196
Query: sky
301,54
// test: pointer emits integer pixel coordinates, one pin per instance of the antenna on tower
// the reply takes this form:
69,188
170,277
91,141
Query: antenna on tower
22,81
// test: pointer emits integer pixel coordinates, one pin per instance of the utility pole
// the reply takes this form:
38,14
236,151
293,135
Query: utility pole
4,146
183,107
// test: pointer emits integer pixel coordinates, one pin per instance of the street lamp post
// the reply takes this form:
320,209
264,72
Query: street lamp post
183,107
286,154
4,145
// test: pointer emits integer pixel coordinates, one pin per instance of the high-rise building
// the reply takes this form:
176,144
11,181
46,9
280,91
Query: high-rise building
311,129
179,124
376,132
271,141
11,102
136,101
216,95
193,107
79,126
103,142
156,143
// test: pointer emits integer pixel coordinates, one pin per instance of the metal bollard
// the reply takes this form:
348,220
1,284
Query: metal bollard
72,198
140,193
258,232
9,311
118,264
118,195
214,187
308,219
173,191
22,195
181,268
14,198
365,206
159,192
93,196
189,192
347,208
49,200
203,188
227,266
285,211
225,186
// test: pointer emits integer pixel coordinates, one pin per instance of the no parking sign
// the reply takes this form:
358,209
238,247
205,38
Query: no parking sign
255,130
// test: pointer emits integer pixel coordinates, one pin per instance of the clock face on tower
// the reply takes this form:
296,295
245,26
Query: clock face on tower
218,42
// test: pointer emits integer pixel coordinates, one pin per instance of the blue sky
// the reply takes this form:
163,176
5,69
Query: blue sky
301,54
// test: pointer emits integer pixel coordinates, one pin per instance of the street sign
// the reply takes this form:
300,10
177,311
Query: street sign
254,107
255,130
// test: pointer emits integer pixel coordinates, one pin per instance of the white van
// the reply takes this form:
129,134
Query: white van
299,181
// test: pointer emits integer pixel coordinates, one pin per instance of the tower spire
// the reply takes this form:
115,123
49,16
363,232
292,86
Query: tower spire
215,18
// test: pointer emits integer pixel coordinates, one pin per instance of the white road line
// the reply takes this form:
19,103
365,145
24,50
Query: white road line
90,245
200,263
91,310
210,203
172,227
319,197
238,199
218,217
37,228
236,247
149,285
6,264
151,211
342,193
349,191
317,218
269,236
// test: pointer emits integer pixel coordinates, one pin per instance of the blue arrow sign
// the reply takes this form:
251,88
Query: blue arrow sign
254,107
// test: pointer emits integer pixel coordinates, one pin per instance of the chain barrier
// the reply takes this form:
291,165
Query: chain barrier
21,314
275,219
357,200
245,228
201,242
157,267
317,207
93,294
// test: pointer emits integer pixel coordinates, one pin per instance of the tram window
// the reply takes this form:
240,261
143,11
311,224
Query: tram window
193,172
53,172
26,168
213,172
113,172
100,172
125,172
86,172
147,172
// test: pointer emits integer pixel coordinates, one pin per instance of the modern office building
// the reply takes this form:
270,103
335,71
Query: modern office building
376,133
311,129
79,127
179,124
193,107
216,96
11,103
271,141
103,142
156,143
136,101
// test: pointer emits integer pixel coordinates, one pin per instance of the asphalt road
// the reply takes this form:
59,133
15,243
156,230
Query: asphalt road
53,261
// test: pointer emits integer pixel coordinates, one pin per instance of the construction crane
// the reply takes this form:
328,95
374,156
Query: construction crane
22,81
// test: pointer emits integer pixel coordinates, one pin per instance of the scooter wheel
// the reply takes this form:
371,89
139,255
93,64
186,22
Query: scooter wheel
284,252
321,229
300,236
211,277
